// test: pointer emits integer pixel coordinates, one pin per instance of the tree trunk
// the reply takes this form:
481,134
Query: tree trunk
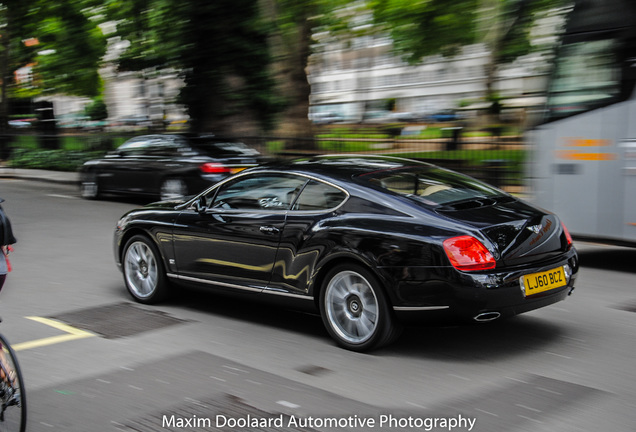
290,52
5,76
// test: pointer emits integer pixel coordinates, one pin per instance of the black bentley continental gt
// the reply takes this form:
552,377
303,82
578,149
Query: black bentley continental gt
165,166
369,242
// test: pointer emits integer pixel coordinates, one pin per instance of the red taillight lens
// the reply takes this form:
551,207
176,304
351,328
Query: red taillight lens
568,237
468,254
214,168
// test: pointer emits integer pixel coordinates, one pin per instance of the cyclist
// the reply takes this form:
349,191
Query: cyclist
6,240
8,395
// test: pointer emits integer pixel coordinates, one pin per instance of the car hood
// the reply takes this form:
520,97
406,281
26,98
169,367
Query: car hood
519,232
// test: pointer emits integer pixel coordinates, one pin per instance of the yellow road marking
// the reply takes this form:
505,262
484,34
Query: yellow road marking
72,333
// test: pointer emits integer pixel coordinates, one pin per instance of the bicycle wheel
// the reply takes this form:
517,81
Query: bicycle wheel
13,410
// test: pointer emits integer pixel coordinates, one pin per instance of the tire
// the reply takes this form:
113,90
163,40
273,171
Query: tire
355,310
173,188
13,412
89,187
143,270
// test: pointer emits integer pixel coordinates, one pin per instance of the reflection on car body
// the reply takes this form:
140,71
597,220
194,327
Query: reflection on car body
370,242
165,166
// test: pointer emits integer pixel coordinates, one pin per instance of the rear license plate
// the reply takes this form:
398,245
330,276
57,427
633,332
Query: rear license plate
536,283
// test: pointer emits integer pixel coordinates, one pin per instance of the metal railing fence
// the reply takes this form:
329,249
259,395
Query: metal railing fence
497,160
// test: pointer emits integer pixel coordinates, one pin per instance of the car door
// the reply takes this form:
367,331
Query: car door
113,171
127,168
307,236
144,176
232,238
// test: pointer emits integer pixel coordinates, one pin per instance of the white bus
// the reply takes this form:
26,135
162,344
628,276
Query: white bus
583,164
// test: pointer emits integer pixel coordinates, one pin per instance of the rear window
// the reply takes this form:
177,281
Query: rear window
317,196
430,185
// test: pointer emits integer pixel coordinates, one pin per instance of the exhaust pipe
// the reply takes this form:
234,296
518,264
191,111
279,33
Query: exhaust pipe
487,316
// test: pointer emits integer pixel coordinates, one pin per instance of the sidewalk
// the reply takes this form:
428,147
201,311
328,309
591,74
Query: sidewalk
62,177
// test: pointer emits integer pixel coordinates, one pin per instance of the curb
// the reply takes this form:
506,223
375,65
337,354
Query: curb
59,177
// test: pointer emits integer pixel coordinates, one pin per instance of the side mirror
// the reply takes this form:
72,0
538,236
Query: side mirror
200,204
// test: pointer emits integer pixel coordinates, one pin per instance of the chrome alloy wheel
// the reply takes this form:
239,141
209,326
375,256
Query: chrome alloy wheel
352,307
89,190
141,270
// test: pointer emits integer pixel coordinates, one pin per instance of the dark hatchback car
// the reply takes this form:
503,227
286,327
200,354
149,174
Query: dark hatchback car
165,166
367,241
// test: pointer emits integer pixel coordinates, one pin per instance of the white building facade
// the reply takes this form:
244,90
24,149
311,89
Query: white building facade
349,79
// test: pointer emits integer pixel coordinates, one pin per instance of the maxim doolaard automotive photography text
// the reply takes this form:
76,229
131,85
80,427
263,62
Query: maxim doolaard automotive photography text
384,421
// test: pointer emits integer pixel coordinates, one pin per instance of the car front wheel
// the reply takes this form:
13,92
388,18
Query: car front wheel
355,310
143,270
89,188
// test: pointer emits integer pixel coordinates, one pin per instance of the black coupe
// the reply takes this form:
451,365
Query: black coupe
165,166
367,241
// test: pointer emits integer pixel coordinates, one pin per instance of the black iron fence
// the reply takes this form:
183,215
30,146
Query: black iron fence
498,160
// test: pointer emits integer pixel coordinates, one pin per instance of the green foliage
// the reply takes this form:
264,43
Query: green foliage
428,27
97,109
154,29
65,50
56,160
76,47
74,151
219,46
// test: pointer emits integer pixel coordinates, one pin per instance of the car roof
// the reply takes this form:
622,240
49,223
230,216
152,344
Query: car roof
343,166
192,137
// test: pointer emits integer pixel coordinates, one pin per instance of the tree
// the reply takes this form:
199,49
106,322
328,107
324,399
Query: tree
58,39
430,27
97,109
290,41
220,49
295,24
70,49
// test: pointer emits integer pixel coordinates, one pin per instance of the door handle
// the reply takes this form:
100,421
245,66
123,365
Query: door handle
269,230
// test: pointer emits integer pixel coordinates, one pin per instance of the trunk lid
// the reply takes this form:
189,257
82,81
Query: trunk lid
520,233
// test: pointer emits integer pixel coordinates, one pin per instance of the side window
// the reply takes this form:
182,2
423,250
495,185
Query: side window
134,148
163,148
318,196
258,192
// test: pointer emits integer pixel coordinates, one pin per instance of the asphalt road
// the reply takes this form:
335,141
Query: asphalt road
205,362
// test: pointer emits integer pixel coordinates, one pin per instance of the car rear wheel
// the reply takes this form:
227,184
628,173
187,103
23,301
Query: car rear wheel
354,309
89,188
143,270
173,188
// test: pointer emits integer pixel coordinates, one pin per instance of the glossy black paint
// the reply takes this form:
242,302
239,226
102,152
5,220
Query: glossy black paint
142,164
287,252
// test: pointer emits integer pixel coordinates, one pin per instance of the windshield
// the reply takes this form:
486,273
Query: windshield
587,75
430,185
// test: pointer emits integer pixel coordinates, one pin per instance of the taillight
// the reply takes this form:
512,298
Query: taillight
214,168
468,254
568,237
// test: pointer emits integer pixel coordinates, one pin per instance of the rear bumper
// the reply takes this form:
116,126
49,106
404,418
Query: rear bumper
446,294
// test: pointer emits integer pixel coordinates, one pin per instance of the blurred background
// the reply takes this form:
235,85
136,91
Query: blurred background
458,84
